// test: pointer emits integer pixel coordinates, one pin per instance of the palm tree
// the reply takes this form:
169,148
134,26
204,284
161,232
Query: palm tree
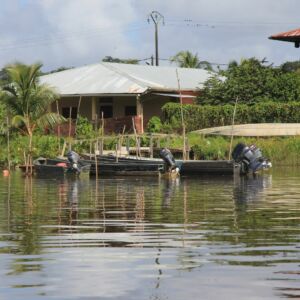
28,101
186,59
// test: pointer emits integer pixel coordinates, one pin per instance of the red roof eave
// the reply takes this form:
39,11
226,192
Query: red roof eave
288,36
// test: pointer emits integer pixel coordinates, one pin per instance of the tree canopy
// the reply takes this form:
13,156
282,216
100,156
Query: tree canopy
291,66
111,59
28,101
252,82
186,59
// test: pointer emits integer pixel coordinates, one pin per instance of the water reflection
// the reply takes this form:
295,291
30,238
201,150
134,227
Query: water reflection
150,238
170,187
68,201
251,188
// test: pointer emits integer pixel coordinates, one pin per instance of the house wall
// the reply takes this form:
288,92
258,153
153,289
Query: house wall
119,104
152,106
85,108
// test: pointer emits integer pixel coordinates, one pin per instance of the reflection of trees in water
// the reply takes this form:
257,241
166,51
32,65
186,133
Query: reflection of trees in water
140,209
8,203
25,225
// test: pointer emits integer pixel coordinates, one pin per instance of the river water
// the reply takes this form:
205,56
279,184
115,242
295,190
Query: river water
151,238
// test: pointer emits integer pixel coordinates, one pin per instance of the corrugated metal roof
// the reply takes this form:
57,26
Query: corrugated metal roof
112,78
289,36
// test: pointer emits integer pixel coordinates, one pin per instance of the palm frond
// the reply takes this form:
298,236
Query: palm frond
19,120
50,120
28,100
186,59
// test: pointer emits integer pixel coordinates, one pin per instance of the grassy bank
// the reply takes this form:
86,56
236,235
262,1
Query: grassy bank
281,151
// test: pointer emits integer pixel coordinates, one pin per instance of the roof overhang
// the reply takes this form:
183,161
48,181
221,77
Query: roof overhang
175,95
98,95
292,36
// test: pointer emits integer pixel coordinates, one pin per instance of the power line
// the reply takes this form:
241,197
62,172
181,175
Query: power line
188,21
62,34
61,39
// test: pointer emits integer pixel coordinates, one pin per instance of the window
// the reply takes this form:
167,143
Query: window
105,100
107,111
130,110
65,111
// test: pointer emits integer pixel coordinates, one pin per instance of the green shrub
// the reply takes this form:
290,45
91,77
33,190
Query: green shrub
154,124
84,128
206,116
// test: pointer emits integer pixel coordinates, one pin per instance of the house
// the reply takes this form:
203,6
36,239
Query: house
122,93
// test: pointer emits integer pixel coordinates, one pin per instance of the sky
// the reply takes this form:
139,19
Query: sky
73,33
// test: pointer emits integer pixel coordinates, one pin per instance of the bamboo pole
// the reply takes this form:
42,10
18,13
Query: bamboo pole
127,144
117,156
182,117
25,162
64,149
76,122
58,127
8,145
121,140
102,132
158,142
70,121
151,145
136,139
96,122
96,165
232,125
187,148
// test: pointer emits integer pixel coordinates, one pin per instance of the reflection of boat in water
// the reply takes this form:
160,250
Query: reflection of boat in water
170,187
250,188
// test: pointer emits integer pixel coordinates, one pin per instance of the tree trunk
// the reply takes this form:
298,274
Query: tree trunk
30,154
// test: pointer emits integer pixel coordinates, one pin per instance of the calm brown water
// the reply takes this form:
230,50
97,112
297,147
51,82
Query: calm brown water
150,238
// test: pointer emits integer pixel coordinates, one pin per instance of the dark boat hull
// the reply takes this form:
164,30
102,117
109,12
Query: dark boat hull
129,169
58,168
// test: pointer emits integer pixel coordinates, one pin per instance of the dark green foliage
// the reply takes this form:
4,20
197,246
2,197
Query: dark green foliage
3,77
60,69
111,59
252,82
44,145
3,121
205,116
154,124
84,128
291,66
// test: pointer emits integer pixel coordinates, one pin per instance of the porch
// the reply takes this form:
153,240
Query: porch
118,112
111,125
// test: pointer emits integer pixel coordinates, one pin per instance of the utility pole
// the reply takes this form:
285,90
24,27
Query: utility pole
156,18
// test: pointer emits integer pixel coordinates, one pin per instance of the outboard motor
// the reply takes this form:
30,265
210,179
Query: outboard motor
250,158
166,155
73,159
